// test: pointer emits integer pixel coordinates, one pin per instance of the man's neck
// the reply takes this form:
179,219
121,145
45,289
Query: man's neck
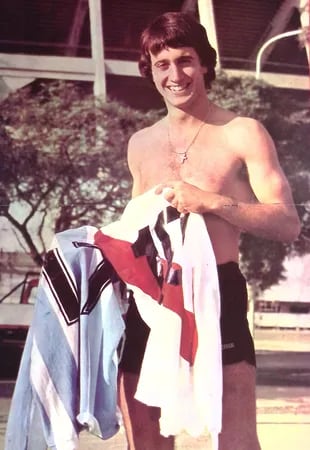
180,116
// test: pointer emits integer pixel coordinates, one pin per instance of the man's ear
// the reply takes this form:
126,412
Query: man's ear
204,69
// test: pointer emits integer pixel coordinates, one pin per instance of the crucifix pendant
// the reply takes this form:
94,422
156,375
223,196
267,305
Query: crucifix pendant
183,158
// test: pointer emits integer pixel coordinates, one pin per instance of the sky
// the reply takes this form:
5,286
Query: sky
296,287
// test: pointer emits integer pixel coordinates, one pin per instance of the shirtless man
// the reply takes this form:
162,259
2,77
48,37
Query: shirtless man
201,151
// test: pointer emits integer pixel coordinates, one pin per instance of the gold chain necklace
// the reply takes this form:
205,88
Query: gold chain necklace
183,155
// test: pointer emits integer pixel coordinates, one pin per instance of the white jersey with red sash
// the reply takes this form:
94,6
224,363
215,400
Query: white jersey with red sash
168,262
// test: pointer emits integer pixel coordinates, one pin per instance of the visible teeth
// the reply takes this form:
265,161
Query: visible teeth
176,88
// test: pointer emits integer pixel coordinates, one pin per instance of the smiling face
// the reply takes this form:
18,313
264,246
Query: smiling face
178,76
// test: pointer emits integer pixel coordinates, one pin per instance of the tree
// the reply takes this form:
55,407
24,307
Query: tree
64,156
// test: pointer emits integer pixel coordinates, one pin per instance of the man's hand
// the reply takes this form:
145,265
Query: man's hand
186,197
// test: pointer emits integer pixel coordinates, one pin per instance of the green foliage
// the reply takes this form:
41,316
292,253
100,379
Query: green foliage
64,153
245,96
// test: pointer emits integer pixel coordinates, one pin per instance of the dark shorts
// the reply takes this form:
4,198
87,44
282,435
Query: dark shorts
237,342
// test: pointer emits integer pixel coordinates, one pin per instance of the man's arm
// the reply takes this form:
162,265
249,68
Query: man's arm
273,216
134,166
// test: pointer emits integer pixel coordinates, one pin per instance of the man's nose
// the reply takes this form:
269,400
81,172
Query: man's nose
176,72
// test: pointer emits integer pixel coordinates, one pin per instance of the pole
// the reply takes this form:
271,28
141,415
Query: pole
207,19
97,47
304,7
265,45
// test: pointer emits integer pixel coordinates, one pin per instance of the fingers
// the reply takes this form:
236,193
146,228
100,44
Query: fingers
166,191
172,192
159,189
178,204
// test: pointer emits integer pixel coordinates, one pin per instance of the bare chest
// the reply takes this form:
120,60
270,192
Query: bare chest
214,168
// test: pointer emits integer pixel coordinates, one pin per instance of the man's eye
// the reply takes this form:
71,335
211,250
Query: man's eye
185,61
162,66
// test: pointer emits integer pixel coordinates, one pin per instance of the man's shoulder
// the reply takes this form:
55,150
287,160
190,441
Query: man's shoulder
233,120
245,134
250,138
248,129
244,127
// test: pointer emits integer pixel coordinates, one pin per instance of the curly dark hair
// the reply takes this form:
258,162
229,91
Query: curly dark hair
175,30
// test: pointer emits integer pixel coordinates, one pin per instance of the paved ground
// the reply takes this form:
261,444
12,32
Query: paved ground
282,340
283,398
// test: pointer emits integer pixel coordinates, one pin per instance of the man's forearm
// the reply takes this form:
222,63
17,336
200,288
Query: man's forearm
271,221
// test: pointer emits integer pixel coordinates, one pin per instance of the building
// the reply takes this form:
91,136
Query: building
62,39
287,304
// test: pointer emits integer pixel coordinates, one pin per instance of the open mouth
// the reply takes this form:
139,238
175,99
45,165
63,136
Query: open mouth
178,88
